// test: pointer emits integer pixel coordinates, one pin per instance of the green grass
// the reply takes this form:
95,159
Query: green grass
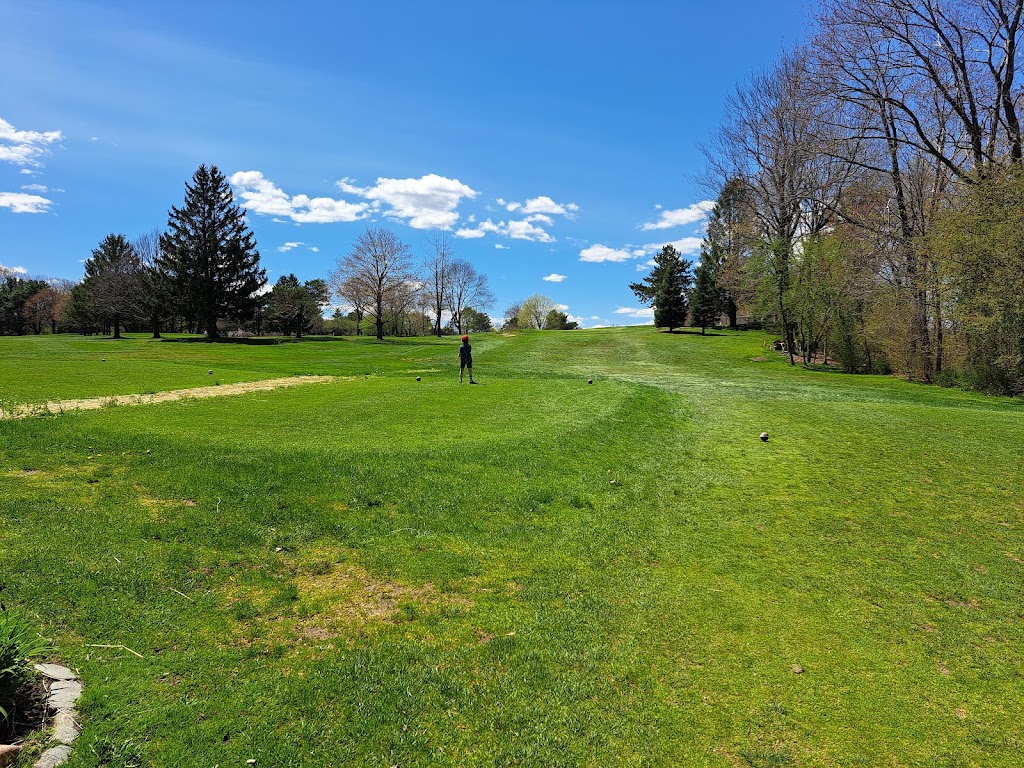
533,571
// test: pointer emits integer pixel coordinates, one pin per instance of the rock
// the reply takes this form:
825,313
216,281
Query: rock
55,672
53,757
65,728
63,694
9,754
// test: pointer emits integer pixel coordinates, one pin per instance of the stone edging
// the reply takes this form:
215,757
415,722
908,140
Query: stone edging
63,689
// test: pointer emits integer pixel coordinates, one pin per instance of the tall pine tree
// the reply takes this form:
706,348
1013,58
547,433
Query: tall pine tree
666,288
706,297
210,254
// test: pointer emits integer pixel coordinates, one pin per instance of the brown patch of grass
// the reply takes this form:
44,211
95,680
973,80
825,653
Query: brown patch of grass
151,503
94,403
971,604
332,600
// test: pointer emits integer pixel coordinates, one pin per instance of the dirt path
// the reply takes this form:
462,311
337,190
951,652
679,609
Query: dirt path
93,403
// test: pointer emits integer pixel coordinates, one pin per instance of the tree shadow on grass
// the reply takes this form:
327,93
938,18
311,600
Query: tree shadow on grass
692,332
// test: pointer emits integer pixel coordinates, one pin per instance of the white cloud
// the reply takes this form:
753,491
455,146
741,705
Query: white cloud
524,230
540,205
346,185
428,202
425,203
4,271
554,277
600,253
261,196
686,246
561,307
514,230
24,147
35,187
289,246
314,249
325,210
681,216
19,202
636,313
498,246
545,204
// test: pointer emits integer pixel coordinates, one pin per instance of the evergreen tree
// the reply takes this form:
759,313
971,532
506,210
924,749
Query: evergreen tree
559,321
209,254
706,297
14,292
294,307
666,288
476,322
113,281
726,246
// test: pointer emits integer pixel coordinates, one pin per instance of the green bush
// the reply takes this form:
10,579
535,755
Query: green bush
19,642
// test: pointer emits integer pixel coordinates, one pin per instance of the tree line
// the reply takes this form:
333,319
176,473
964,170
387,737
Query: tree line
869,193
203,275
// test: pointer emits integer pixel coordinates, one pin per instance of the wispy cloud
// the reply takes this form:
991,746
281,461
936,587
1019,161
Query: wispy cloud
24,147
290,246
514,230
554,277
681,216
542,205
20,202
636,313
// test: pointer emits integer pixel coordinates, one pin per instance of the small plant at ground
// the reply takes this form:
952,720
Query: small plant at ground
19,643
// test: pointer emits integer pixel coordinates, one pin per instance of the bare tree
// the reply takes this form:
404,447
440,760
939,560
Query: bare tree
925,90
153,301
941,73
376,271
46,307
468,289
437,276
533,312
770,144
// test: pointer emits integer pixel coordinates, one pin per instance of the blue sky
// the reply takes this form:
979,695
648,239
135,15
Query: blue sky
558,142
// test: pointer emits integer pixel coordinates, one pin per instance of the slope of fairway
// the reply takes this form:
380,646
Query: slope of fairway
532,571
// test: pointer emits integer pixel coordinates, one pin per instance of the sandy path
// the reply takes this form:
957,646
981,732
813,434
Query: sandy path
92,403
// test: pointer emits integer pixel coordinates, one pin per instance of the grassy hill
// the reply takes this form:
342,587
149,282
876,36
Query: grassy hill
534,571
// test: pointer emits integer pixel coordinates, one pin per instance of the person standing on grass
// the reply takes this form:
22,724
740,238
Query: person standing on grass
466,359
